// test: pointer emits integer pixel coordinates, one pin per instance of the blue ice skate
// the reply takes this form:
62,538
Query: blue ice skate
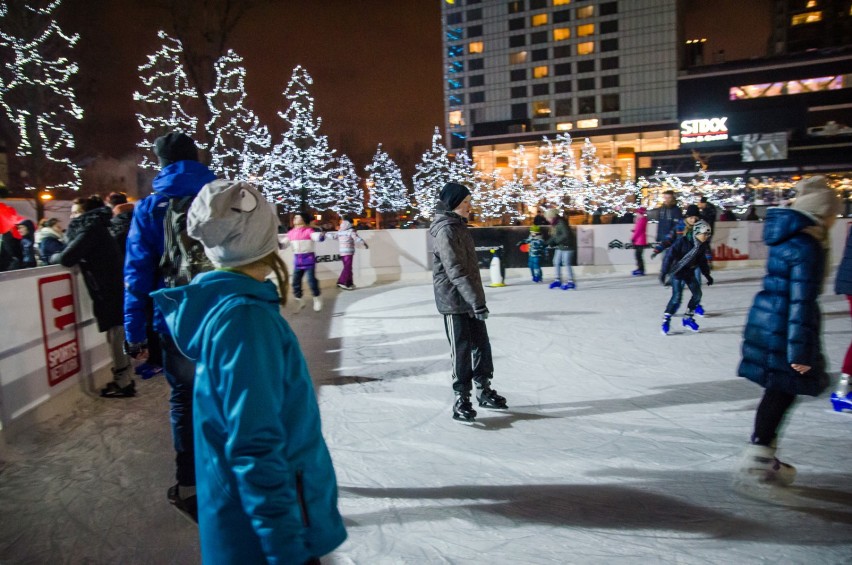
699,311
555,284
667,319
569,285
638,273
689,322
841,402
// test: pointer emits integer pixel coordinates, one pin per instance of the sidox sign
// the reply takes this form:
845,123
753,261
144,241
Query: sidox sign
59,325
698,131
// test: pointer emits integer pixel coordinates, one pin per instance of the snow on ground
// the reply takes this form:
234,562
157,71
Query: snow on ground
618,446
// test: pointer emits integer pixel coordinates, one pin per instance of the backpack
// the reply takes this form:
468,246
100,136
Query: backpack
183,257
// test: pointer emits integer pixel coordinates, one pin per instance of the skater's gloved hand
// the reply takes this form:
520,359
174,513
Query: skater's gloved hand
138,351
654,253
481,313
709,280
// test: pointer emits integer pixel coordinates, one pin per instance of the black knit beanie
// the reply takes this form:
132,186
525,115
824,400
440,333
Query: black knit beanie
175,147
453,194
692,210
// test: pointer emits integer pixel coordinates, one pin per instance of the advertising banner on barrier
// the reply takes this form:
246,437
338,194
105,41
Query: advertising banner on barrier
59,327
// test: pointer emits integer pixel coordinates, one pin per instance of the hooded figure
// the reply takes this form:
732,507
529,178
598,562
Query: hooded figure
782,346
266,487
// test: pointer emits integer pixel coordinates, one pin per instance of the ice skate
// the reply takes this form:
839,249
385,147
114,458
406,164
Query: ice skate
841,399
638,273
689,322
317,303
667,320
699,310
298,304
555,284
488,398
569,286
463,410
342,286
758,464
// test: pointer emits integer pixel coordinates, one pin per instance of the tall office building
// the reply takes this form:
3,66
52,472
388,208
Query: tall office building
516,71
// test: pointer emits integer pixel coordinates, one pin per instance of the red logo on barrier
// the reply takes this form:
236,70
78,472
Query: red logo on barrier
726,253
59,327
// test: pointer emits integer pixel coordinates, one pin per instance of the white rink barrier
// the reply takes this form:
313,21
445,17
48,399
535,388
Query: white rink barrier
51,352
52,355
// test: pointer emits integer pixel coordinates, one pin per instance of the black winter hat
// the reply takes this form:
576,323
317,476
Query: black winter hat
174,147
453,194
692,210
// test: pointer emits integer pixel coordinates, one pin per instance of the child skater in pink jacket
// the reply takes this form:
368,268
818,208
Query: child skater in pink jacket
302,238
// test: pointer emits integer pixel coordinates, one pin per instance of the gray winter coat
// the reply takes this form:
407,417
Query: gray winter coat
455,270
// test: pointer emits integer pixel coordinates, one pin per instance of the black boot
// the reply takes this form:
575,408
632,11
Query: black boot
488,398
463,410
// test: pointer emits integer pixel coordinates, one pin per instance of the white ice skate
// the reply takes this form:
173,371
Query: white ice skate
761,475
298,305
317,303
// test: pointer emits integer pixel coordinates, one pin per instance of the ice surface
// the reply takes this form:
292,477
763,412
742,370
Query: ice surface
618,445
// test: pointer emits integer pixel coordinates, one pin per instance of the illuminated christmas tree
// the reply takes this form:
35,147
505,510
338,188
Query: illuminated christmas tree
462,169
165,99
240,144
557,174
299,175
522,188
433,172
349,196
387,191
36,93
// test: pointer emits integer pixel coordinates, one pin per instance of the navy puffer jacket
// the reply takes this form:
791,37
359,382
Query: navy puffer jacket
843,282
783,325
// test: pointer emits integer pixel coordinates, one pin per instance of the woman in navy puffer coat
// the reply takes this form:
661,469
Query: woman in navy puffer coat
782,349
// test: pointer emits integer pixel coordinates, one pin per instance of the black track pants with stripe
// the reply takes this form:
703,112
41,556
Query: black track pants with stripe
470,351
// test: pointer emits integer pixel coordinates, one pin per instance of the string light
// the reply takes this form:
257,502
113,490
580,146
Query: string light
347,188
166,95
433,172
388,192
37,96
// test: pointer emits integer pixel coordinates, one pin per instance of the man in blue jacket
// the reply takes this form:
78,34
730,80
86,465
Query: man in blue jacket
181,175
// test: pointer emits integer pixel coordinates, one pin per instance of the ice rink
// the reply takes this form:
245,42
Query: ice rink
618,446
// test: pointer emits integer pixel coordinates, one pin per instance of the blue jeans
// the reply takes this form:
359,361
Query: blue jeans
297,282
677,295
563,257
534,263
180,374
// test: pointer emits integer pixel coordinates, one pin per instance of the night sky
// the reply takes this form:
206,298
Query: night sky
376,67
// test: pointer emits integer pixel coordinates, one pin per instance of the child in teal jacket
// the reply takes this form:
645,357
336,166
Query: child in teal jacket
267,491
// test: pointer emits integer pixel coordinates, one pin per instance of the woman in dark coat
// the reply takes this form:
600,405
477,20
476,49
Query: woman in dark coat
841,399
782,348
91,246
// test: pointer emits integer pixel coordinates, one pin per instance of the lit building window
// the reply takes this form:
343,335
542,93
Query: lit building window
811,4
806,18
561,34
585,30
585,12
586,48
564,126
801,86
455,118
475,47
561,2
541,109
590,123
539,20
517,58
541,72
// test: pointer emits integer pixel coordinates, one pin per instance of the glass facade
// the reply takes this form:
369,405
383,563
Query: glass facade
623,51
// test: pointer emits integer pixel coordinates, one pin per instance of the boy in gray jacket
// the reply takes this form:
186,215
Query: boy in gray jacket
460,297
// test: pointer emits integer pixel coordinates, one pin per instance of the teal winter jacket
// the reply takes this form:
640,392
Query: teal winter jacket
267,491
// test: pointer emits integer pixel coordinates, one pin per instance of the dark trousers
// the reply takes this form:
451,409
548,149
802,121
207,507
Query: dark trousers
770,413
677,295
534,263
297,281
346,274
640,261
180,374
470,351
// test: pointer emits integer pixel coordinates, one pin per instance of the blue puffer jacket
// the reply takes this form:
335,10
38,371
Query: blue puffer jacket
783,325
145,243
267,492
843,282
